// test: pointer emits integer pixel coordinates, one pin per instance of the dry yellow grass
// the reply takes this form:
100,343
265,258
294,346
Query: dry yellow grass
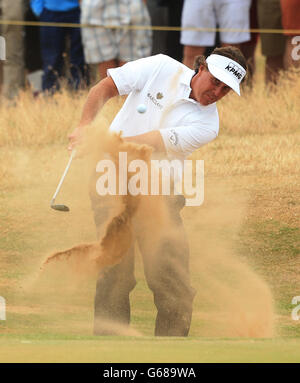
264,110
259,132
256,153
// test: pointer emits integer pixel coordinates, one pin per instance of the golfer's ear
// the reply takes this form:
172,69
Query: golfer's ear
202,68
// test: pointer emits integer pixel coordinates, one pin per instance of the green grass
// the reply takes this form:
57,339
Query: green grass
273,251
147,350
59,324
59,328
57,333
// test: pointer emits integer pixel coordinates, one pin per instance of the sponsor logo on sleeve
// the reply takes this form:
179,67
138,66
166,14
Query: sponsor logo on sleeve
173,137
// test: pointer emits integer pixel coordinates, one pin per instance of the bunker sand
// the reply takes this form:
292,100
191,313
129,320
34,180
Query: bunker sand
119,237
109,251
231,300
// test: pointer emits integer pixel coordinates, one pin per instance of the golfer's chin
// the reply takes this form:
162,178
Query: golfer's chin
204,103
205,100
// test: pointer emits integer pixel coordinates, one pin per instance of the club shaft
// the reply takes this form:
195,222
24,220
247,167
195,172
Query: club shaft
63,176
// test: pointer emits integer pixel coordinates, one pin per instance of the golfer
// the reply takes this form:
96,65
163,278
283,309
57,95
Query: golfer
181,116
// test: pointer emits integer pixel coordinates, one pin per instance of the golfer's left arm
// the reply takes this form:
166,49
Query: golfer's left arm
153,139
180,140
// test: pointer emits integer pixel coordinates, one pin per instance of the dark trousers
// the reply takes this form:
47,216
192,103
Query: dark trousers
166,266
53,42
33,60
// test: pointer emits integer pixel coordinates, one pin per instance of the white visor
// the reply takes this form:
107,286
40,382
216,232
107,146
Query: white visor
226,70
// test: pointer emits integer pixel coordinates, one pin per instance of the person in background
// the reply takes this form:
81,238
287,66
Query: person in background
53,43
1,59
210,14
13,66
272,44
32,55
249,47
159,17
112,47
168,13
23,62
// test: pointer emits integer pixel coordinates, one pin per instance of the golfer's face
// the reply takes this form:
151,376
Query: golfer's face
206,89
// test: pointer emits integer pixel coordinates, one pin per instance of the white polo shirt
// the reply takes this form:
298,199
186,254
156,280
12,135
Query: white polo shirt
163,85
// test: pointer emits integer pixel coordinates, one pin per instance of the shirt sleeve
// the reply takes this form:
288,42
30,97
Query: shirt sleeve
183,140
133,75
37,7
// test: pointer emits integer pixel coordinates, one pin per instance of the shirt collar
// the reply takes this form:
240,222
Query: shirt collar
185,79
187,76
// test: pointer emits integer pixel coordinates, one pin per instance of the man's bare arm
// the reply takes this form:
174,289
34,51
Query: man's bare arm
153,139
97,97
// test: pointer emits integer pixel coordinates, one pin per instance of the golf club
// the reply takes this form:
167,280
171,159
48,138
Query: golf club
62,207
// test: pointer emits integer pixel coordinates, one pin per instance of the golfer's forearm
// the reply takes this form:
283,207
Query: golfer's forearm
97,97
153,139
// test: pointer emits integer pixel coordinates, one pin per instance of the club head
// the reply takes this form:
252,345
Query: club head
60,207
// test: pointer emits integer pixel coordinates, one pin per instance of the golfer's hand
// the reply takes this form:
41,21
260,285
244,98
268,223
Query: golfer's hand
75,137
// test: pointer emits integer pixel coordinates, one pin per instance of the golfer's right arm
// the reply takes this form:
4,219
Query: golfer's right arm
97,97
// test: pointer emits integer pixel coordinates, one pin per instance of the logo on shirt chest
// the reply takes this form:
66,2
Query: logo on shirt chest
154,100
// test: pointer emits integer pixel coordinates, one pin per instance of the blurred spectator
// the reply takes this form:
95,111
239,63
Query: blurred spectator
13,66
272,44
53,43
1,62
248,48
290,10
22,51
109,48
159,17
166,13
174,48
209,14
174,13
32,55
